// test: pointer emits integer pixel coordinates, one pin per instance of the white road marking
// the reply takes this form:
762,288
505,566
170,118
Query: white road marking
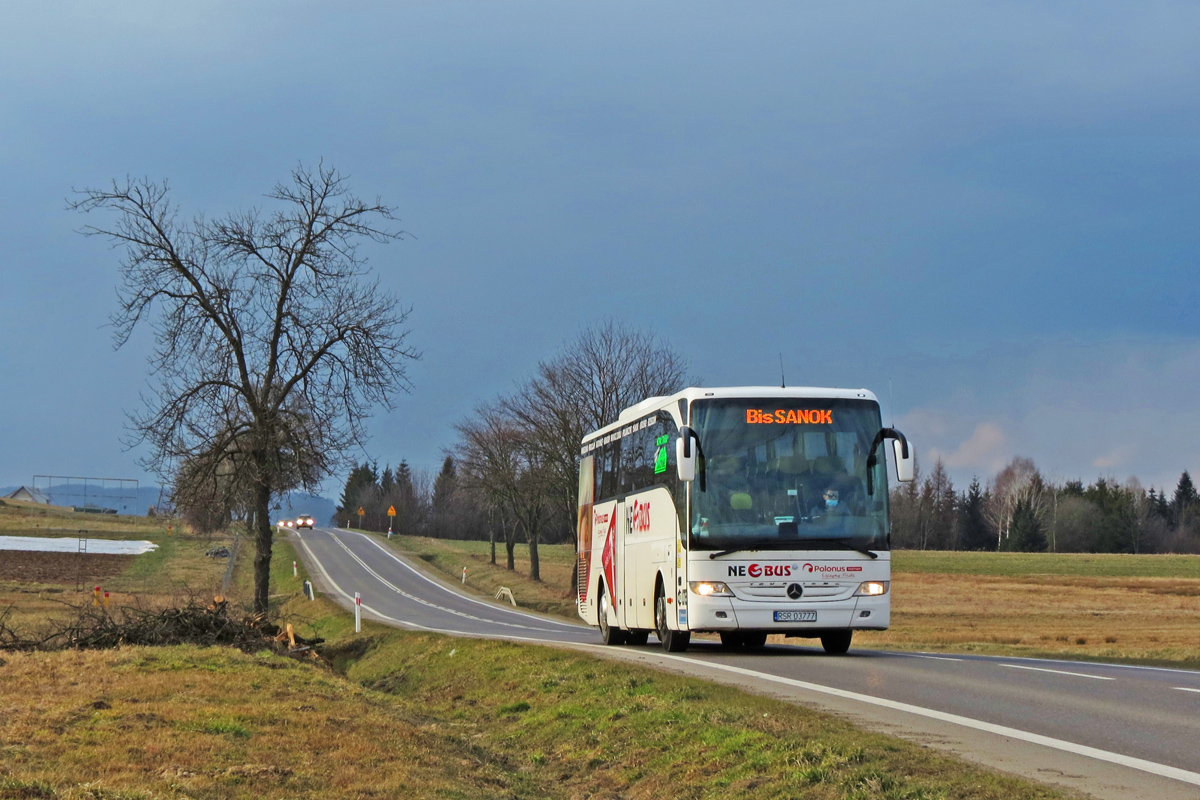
1060,672
459,595
1187,689
1142,765
425,602
922,655
414,626
1120,759
1107,665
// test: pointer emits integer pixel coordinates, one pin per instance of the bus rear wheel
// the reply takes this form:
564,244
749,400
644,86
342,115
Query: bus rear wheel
672,641
612,636
836,642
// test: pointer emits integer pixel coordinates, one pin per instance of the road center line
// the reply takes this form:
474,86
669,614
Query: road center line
934,658
460,595
422,600
1060,672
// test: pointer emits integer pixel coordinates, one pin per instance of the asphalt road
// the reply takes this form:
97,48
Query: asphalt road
1109,730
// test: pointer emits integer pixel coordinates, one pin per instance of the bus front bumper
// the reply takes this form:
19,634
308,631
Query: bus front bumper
730,614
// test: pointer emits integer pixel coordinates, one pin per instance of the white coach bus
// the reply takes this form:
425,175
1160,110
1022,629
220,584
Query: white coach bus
739,511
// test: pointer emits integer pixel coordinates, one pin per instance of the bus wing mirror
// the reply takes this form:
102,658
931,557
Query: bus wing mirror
905,459
686,454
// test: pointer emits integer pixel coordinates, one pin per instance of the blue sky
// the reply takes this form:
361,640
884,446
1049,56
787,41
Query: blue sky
990,210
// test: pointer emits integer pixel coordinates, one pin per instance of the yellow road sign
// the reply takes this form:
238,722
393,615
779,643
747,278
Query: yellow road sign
361,512
391,511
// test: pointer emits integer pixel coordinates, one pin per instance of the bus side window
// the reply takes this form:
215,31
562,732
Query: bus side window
629,458
608,479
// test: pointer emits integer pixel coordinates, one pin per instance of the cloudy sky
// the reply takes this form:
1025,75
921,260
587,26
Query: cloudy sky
989,216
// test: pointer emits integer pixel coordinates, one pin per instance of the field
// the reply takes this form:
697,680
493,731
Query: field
414,715
1141,608
38,589
60,568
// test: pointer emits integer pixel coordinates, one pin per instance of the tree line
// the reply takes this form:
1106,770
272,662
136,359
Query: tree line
1019,509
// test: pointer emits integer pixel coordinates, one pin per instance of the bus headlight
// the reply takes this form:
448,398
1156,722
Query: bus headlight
872,588
710,589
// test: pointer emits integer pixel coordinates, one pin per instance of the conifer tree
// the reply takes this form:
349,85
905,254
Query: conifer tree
1185,496
976,533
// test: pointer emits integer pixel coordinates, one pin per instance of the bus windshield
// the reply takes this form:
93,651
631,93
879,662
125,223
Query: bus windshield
787,474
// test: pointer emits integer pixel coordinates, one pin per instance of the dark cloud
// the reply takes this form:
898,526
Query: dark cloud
879,193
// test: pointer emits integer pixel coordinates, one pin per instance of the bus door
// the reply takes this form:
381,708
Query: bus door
626,589
643,559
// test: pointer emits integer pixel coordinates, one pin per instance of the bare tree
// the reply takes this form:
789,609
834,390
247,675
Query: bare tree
499,464
1019,483
603,370
270,343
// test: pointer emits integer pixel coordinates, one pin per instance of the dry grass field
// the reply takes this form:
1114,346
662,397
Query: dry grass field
1111,607
421,716
1118,607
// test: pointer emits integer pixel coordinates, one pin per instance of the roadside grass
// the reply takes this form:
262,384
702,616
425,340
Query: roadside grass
425,716
207,723
1142,609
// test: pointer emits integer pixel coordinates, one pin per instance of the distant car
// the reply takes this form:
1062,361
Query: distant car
304,521
286,523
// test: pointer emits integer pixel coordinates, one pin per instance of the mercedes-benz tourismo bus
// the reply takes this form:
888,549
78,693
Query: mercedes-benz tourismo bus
739,511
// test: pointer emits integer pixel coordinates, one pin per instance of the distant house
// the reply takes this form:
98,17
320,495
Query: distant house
28,495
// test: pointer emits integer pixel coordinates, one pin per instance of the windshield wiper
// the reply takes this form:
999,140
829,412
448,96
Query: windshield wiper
743,548
849,545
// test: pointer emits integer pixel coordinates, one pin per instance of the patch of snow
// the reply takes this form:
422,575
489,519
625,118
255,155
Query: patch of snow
121,547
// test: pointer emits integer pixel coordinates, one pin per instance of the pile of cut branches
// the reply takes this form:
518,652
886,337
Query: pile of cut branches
98,628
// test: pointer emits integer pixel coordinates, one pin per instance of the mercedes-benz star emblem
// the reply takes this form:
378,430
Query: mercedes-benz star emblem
794,591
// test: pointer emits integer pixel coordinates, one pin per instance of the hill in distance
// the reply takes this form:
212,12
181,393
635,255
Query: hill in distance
138,503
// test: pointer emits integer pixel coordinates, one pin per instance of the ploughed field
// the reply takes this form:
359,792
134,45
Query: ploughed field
22,566
1076,605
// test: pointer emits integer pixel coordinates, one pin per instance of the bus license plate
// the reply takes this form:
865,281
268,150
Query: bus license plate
795,616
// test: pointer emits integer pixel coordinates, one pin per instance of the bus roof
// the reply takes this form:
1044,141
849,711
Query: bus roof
671,403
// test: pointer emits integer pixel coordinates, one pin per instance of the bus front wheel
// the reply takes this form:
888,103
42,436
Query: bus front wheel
672,641
611,634
836,642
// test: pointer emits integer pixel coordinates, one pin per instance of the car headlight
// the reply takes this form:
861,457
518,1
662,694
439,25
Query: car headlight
872,588
710,589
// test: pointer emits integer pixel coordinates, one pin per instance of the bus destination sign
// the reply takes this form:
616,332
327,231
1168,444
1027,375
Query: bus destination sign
756,416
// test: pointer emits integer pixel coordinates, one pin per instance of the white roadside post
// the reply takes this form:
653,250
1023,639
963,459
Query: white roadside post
357,613
294,572
464,578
